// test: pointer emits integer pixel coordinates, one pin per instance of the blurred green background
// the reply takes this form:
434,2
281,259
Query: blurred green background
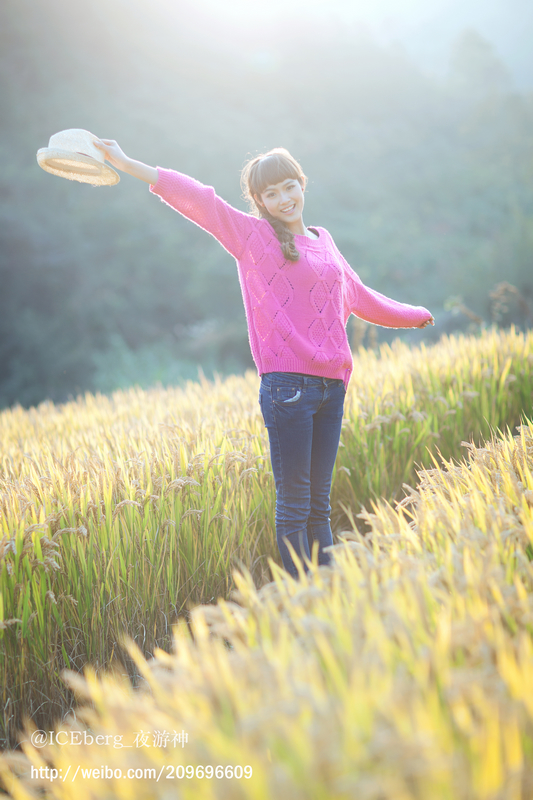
413,121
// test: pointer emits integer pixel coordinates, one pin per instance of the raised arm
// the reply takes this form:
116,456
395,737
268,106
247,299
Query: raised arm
199,203
116,156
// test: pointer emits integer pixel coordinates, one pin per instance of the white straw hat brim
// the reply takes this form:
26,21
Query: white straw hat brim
76,167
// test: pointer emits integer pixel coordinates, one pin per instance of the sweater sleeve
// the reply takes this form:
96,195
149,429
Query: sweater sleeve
377,308
203,206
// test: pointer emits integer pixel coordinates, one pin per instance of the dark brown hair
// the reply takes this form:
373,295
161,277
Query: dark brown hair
266,170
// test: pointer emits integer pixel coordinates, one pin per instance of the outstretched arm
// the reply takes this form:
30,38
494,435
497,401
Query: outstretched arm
378,309
375,307
372,306
116,156
199,203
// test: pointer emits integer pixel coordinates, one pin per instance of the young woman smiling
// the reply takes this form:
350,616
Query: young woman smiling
298,293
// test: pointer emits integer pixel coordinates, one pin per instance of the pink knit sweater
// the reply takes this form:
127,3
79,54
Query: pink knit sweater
296,311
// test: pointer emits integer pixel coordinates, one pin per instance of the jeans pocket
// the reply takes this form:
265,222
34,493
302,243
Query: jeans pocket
287,395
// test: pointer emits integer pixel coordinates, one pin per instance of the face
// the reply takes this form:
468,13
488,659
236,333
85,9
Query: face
284,201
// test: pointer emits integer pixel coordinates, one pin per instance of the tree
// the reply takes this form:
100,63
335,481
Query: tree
475,67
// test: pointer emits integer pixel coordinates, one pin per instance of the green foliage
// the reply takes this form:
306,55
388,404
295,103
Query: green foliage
119,367
425,184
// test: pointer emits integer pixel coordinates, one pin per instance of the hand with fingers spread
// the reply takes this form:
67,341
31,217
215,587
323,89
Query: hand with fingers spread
118,158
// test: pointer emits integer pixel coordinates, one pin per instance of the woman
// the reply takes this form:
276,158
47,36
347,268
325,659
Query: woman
298,293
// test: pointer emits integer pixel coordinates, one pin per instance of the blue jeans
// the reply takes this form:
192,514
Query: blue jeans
303,416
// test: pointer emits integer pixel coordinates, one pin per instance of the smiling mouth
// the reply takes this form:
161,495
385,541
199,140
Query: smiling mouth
288,210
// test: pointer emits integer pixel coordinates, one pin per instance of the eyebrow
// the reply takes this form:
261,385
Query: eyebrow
273,186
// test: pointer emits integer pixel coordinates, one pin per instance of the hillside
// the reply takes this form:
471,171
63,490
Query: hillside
425,182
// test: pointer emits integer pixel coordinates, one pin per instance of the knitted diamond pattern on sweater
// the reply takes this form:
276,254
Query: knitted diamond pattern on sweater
296,311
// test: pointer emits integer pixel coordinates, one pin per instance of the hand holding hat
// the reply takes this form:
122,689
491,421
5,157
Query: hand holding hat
137,169
74,154
112,152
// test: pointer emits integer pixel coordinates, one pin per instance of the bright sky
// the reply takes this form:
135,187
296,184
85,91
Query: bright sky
368,10
426,28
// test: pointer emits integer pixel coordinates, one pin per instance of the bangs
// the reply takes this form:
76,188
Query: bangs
273,169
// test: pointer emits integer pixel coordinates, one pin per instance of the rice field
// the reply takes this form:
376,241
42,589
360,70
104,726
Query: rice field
404,671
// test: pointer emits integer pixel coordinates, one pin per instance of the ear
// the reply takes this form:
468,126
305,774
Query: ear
258,201
303,182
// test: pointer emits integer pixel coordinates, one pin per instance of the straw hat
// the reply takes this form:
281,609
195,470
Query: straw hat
71,154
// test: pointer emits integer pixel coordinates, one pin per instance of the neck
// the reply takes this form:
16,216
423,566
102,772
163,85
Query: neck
298,227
